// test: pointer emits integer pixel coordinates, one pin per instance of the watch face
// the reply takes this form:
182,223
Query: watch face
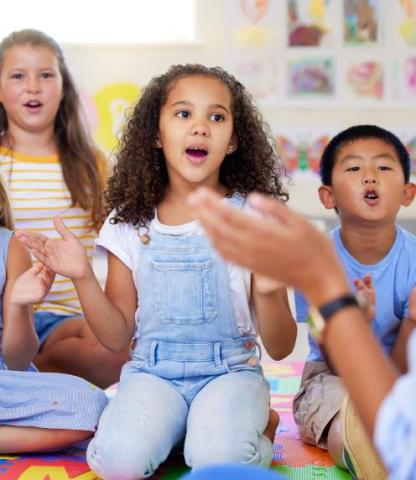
316,324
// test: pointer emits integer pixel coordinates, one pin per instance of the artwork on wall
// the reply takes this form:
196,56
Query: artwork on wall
110,105
301,149
342,52
311,77
406,21
364,79
310,24
253,44
361,22
404,78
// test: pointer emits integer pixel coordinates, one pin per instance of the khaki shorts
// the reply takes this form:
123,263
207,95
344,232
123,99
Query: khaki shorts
317,402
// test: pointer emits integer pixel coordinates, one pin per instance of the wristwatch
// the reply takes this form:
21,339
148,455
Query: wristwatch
318,317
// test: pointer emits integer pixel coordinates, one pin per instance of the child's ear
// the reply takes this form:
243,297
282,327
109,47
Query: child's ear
158,143
409,194
232,146
326,196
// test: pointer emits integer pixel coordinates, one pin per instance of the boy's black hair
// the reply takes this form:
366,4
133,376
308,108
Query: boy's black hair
358,132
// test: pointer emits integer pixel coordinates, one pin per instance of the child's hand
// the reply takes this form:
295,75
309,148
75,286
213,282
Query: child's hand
65,256
365,287
265,285
32,285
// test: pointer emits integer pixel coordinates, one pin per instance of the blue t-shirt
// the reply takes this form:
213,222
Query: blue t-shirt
393,279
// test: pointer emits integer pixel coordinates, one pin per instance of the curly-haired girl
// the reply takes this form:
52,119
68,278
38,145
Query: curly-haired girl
194,372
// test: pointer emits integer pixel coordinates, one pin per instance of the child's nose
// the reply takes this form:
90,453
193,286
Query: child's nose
369,179
33,85
200,129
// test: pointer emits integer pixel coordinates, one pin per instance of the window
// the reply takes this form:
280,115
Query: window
104,21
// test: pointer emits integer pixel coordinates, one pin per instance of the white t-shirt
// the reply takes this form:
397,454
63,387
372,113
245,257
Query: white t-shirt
122,240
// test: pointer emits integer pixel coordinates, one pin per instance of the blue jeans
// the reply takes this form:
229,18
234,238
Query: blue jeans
148,417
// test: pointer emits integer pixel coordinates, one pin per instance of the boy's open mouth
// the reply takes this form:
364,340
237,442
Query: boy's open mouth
371,197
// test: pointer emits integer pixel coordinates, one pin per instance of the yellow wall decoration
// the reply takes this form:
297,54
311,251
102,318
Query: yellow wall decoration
113,102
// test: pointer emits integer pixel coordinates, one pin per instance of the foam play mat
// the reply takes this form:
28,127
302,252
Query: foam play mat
291,457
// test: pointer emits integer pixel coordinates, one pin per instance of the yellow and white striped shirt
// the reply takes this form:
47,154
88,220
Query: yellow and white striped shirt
37,192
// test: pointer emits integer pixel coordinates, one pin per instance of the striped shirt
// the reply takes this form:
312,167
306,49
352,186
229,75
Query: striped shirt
37,192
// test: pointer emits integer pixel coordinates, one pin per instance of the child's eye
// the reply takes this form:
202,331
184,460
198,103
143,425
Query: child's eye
217,117
182,114
16,76
384,168
353,169
47,75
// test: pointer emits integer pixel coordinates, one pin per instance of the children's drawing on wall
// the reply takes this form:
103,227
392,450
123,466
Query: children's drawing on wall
253,47
365,79
312,77
361,21
301,151
310,23
407,21
106,112
404,79
254,10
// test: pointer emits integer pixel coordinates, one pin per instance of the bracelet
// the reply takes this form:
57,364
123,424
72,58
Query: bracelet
318,317
333,306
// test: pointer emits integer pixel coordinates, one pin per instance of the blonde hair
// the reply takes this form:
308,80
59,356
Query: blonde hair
77,154
6,216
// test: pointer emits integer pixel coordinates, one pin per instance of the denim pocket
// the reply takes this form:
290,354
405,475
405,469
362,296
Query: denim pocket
185,293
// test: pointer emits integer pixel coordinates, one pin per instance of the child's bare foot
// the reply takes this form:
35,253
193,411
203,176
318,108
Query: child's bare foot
272,424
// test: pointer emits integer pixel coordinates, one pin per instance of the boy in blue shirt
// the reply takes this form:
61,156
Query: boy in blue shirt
365,173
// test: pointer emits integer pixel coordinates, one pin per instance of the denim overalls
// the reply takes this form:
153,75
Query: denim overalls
192,372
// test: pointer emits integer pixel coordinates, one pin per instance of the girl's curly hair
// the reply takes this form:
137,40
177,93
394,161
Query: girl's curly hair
140,177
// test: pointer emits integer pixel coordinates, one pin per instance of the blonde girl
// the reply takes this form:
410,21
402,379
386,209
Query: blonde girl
50,167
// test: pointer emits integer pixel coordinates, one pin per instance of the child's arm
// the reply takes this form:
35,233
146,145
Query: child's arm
111,316
275,323
398,353
20,342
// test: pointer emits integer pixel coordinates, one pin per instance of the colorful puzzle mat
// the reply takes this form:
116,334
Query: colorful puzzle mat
292,458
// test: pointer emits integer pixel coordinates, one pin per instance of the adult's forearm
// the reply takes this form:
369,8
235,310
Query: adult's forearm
367,373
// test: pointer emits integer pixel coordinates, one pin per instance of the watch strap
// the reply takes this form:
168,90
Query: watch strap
329,309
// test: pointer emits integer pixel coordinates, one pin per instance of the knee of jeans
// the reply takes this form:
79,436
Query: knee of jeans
218,451
113,461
